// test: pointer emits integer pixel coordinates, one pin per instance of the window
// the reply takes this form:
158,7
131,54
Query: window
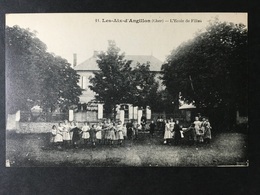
125,107
84,82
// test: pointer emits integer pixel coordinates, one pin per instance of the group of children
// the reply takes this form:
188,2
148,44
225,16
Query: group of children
70,133
172,131
198,132
108,132
202,130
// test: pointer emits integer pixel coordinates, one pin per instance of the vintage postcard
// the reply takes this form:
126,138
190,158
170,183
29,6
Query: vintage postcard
126,89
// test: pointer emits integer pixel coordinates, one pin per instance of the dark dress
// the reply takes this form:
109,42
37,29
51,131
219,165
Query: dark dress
143,122
92,134
177,133
76,134
152,127
159,123
129,127
163,125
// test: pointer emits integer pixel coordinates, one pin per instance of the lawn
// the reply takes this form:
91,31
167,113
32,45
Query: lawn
26,150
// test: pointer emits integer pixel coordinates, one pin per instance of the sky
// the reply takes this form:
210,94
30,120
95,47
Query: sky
83,33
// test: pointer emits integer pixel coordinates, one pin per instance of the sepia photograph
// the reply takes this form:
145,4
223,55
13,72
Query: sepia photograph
126,89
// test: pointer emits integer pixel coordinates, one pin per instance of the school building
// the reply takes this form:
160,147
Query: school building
89,108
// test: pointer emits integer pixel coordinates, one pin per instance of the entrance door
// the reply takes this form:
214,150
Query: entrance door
125,107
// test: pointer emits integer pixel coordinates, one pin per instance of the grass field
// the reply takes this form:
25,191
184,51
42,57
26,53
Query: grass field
26,150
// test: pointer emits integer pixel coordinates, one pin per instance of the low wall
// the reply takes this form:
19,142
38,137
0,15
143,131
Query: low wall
11,123
35,127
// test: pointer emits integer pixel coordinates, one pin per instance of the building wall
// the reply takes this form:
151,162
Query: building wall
87,94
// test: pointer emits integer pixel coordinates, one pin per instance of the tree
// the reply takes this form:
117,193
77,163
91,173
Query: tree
117,82
211,69
35,76
22,48
114,77
144,86
164,102
58,84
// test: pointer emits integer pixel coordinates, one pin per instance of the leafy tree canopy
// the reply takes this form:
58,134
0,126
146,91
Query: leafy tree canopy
35,76
117,82
210,69
144,86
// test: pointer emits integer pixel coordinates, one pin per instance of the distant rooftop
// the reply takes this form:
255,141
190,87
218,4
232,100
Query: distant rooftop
186,106
91,64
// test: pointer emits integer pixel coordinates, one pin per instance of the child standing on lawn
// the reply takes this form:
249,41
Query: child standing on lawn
107,126
104,132
71,126
92,134
197,127
167,133
135,130
66,134
202,130
172,123
99,132
85,132
124,131
59,138
112,133
120,135
207,133
76,135
190,134
152,128
129,129
53,133
177,133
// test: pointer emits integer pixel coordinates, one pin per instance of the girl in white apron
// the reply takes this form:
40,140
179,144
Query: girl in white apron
59,138
207,133
167,133
112,133
120,135
197,126
66,134
201,131
172,123
99,132
124,131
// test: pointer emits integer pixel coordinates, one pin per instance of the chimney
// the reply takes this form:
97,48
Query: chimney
74,59
95,54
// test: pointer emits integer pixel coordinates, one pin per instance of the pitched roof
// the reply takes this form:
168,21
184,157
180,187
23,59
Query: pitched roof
91,64
187,106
